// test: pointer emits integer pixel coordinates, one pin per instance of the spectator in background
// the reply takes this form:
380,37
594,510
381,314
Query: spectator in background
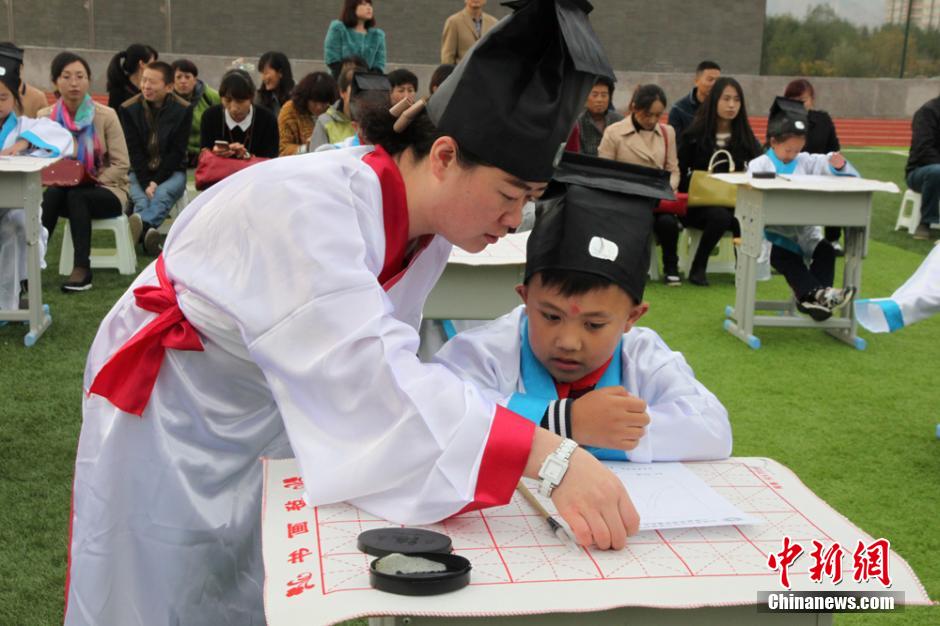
124,72
236,128
156,125
368,93
923,164
404,85
336,124
312,96
439,76
821,138
597,115
463,29
199,95
100,148
720,124
683,111
642,139
277,81
31,99
355,34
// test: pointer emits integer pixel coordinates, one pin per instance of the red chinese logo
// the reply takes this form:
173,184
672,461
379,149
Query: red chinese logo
299,528
872,562
828,563
295,505
784,559
298,556
300,584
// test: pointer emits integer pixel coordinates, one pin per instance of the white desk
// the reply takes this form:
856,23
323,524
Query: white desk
522,574
817,200
479,286
21,188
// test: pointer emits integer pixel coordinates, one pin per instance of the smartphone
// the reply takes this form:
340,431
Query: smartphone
221,144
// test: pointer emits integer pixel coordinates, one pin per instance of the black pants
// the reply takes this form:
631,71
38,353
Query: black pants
80,205
714,222
805,280
666,227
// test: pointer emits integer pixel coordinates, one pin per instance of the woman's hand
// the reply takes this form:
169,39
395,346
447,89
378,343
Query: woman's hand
222,152
239,151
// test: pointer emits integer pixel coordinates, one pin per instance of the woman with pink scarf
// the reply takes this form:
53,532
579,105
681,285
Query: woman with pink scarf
100,148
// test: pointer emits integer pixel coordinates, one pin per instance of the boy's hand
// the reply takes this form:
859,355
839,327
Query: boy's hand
609,418
837,160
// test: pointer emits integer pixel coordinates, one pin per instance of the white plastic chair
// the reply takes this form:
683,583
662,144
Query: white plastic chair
122,257
909,213
722,260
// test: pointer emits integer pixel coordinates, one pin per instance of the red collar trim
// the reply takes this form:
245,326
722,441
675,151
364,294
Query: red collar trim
586,382
394,217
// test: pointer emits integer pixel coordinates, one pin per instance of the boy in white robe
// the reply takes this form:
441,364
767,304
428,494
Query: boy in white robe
21,136
793,246
917,299
572,358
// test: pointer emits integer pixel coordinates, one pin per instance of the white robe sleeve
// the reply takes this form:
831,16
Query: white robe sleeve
687,421
368,423
761,164
47,138
916,299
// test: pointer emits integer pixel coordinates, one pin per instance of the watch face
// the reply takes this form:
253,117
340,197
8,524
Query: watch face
553,469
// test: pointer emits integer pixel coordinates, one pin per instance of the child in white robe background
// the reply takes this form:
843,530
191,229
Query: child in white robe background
572,358
21,136
794,246
917,299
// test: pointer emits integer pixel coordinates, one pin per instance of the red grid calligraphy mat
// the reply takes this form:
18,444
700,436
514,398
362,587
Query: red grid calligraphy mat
512,547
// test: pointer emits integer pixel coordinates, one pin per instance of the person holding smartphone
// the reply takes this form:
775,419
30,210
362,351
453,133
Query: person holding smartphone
236,128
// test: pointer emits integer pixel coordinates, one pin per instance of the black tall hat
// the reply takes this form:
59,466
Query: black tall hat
11,50
787,117
598,219
10,73
369,81
513,100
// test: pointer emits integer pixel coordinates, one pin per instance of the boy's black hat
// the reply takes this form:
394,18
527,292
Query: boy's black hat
787,117
597,218
11,50
513,100
10,72
368,81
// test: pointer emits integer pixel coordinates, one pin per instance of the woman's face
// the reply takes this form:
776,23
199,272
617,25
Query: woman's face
364,11
7,101
647,119
238,109
729,103
478,204
184,82
73,82
317,108
270,78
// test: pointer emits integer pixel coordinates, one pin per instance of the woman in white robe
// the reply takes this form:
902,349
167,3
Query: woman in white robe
287,299
21,136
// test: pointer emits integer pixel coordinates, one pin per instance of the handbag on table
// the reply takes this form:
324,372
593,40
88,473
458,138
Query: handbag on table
707,191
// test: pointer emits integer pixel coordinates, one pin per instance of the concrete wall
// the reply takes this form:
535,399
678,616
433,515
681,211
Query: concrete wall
667,36
842,97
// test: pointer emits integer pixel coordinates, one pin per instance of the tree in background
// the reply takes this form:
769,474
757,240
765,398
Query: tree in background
823,44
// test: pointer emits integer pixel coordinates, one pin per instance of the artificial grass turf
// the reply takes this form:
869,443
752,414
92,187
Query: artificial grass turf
857,427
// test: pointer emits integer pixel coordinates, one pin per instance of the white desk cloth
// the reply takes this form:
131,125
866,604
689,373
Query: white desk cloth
519,567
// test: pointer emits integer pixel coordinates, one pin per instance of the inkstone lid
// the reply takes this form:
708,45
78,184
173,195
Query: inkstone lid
382,541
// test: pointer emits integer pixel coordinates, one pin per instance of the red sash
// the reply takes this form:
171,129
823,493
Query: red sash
127,379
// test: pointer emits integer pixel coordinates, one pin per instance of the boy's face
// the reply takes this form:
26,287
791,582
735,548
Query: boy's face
400,92
573,336
788,149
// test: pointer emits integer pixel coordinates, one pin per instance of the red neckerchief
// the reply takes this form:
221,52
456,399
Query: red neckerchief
578,388
127,379
395,218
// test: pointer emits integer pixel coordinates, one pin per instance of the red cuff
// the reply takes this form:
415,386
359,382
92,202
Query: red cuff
504,459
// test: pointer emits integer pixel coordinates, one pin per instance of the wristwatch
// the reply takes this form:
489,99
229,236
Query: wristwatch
554,467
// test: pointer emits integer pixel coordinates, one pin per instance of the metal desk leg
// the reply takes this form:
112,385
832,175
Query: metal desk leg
852,276
39,318
745,283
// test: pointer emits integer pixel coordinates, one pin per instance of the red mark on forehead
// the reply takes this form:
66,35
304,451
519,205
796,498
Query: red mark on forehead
575,309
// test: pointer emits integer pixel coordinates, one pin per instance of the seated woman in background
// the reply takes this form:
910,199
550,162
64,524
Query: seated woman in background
277,81
642,140
720,124
100,148
312,96
236,128
355,34
21,136
821,137
124,72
